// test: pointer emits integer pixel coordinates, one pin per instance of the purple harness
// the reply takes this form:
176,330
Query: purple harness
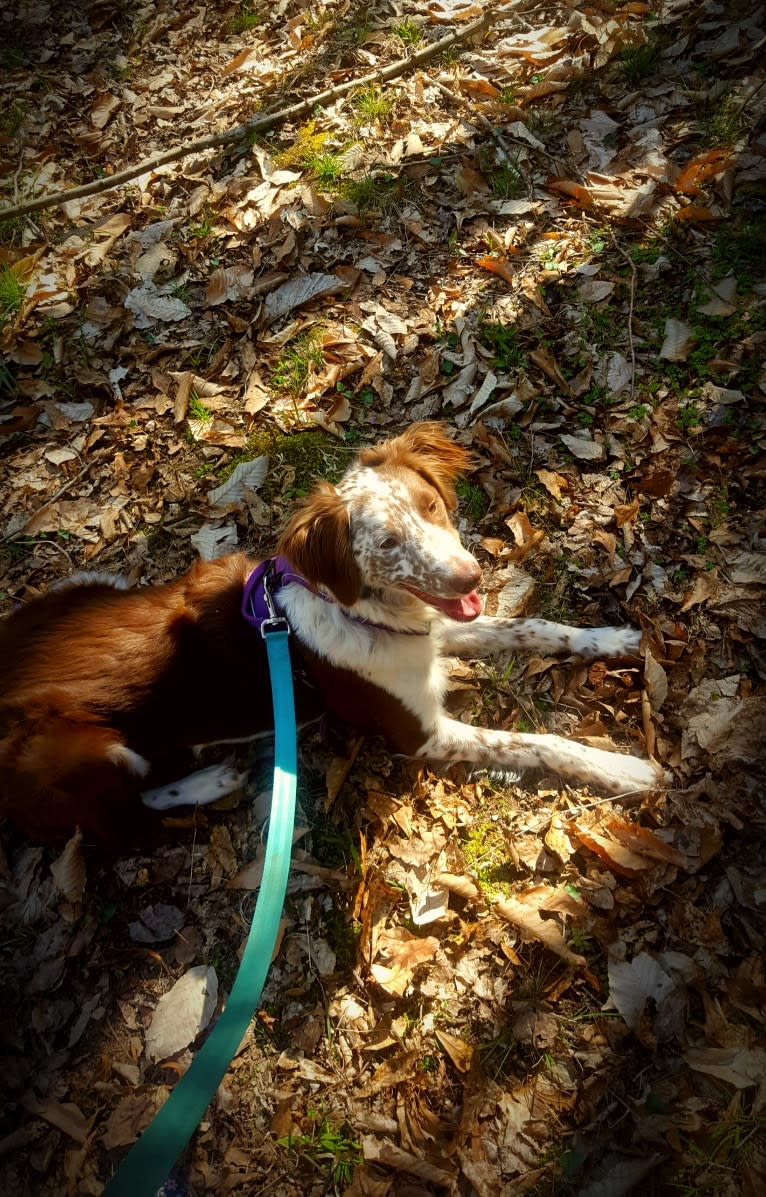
274,573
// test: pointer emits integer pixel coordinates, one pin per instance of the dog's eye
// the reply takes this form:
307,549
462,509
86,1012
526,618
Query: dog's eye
433,508
390,542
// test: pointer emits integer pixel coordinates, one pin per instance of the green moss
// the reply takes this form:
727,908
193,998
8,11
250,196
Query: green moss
297,458
342,935
487,857
473,500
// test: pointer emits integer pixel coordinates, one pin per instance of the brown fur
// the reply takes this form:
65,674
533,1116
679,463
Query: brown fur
317,542
426,449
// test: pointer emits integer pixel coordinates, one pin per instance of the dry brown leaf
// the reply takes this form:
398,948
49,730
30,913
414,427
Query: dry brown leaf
625,513
498,266
706,587
462,886
575,191
527,919
617,856
543,358
554,483
130,1116
679,338
643,840
403,953
392,1072
463,1055
722,298
67,1116
527,538
697,215
700,170
69,870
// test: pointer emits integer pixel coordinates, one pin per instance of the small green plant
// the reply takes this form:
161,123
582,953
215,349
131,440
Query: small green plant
408,32
11,292
725,124
354,32
327,1148
12,119
373,104
197,409
474,500
500,1056
375,193
204,226
247,18
639,61
298,359
506,181
720,501
508,95
327,168
689,416
503,341
638,412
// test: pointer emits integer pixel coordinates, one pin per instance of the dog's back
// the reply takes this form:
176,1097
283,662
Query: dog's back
103,686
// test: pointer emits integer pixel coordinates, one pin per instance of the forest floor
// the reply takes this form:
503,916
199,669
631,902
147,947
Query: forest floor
551,235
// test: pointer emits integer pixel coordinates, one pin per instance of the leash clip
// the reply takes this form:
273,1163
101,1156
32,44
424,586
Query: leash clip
275,622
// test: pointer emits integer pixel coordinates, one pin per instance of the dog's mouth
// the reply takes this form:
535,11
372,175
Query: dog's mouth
462,609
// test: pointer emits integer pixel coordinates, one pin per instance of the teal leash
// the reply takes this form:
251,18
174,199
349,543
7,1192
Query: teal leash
149,1162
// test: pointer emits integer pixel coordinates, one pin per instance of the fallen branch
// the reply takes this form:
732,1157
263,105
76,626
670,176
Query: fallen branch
260,124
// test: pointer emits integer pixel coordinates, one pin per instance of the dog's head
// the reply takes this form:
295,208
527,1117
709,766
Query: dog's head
386,527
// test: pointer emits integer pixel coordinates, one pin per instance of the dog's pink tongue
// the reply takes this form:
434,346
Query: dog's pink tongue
462,609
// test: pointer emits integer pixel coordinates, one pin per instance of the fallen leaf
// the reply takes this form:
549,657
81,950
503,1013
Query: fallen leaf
182,1013
499,266
299,291
632,983
69,870
462,1054
741,1067
246,478
721,298
527,918
679,338
700,170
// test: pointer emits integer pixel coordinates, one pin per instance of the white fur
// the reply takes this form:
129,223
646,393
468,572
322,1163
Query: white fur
198,789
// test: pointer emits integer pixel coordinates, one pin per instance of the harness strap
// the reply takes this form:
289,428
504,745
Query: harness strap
275,572
149,1162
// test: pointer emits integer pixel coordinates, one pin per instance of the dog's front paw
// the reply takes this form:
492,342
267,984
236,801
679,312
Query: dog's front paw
632,775
607,642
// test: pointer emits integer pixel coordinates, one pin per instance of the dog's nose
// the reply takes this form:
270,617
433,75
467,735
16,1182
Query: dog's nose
466,575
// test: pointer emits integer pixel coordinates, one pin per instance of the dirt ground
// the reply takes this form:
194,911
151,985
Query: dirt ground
551,235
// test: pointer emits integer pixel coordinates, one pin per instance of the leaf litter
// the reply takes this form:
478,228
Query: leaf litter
551,237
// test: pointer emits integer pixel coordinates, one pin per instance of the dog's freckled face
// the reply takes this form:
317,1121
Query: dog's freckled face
392,512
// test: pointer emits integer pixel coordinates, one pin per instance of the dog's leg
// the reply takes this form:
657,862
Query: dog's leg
198,789
489,635
455,741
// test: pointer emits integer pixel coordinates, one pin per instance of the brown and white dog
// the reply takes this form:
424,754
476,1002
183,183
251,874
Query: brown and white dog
106,689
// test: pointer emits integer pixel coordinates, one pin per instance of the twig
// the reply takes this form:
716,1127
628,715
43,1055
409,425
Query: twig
631,343
70,482
261,124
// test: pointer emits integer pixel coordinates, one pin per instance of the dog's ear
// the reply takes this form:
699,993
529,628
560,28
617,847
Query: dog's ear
425,448
317,541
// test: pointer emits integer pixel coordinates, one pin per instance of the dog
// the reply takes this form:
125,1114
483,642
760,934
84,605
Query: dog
106,689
